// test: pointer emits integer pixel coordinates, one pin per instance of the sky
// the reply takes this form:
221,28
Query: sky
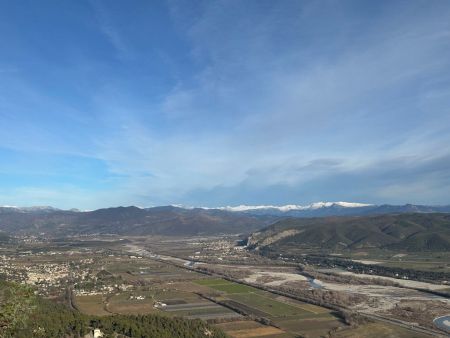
213,103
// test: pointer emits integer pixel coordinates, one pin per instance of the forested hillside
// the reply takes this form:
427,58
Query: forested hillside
408,232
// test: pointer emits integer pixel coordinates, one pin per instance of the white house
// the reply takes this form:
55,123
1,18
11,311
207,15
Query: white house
98,333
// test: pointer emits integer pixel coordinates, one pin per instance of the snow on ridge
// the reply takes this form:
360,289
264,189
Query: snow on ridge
38,207
238,208
43,207
289,207
182,206
352,205
319,205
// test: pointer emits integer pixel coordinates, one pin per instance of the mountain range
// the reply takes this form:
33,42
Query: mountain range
317,209
408,232
321,209
182,221
166,220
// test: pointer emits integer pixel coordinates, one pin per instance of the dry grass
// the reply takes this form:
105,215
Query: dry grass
122,304
249,329
422,312
259,332
91,305
377,330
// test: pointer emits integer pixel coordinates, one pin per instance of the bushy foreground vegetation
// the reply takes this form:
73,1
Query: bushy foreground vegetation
25,315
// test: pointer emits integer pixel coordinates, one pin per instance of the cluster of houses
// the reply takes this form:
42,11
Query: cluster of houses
220,249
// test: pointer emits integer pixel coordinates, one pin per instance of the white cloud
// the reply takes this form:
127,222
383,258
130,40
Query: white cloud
277,101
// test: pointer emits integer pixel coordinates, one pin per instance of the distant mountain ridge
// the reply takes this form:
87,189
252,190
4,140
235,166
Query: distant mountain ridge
317,209
322,209
403,232
182,221
37,208
166,220
292,207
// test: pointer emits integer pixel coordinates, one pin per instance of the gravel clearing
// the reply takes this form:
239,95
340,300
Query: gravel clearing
402,282
280,278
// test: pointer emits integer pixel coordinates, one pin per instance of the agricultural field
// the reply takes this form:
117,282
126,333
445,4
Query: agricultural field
167,299
312,326
228,287
425,261
137,302
91,305
133,269
174,300
126,279
293,317
308,307
252,329
269,306
170,297
212,281
376,330
201,310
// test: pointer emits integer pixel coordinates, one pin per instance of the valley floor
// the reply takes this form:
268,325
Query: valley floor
211,279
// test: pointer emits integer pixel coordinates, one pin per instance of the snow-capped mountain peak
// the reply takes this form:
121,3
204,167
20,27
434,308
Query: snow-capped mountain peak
44,208
292,207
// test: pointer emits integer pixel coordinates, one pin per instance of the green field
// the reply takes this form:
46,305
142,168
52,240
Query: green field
201,311
293,317
306,324
308,307
234,288
226,286
211,281
270,306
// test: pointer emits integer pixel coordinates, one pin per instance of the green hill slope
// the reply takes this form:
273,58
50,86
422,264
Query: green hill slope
409,232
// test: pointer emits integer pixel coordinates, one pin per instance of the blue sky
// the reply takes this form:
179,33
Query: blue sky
210,103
